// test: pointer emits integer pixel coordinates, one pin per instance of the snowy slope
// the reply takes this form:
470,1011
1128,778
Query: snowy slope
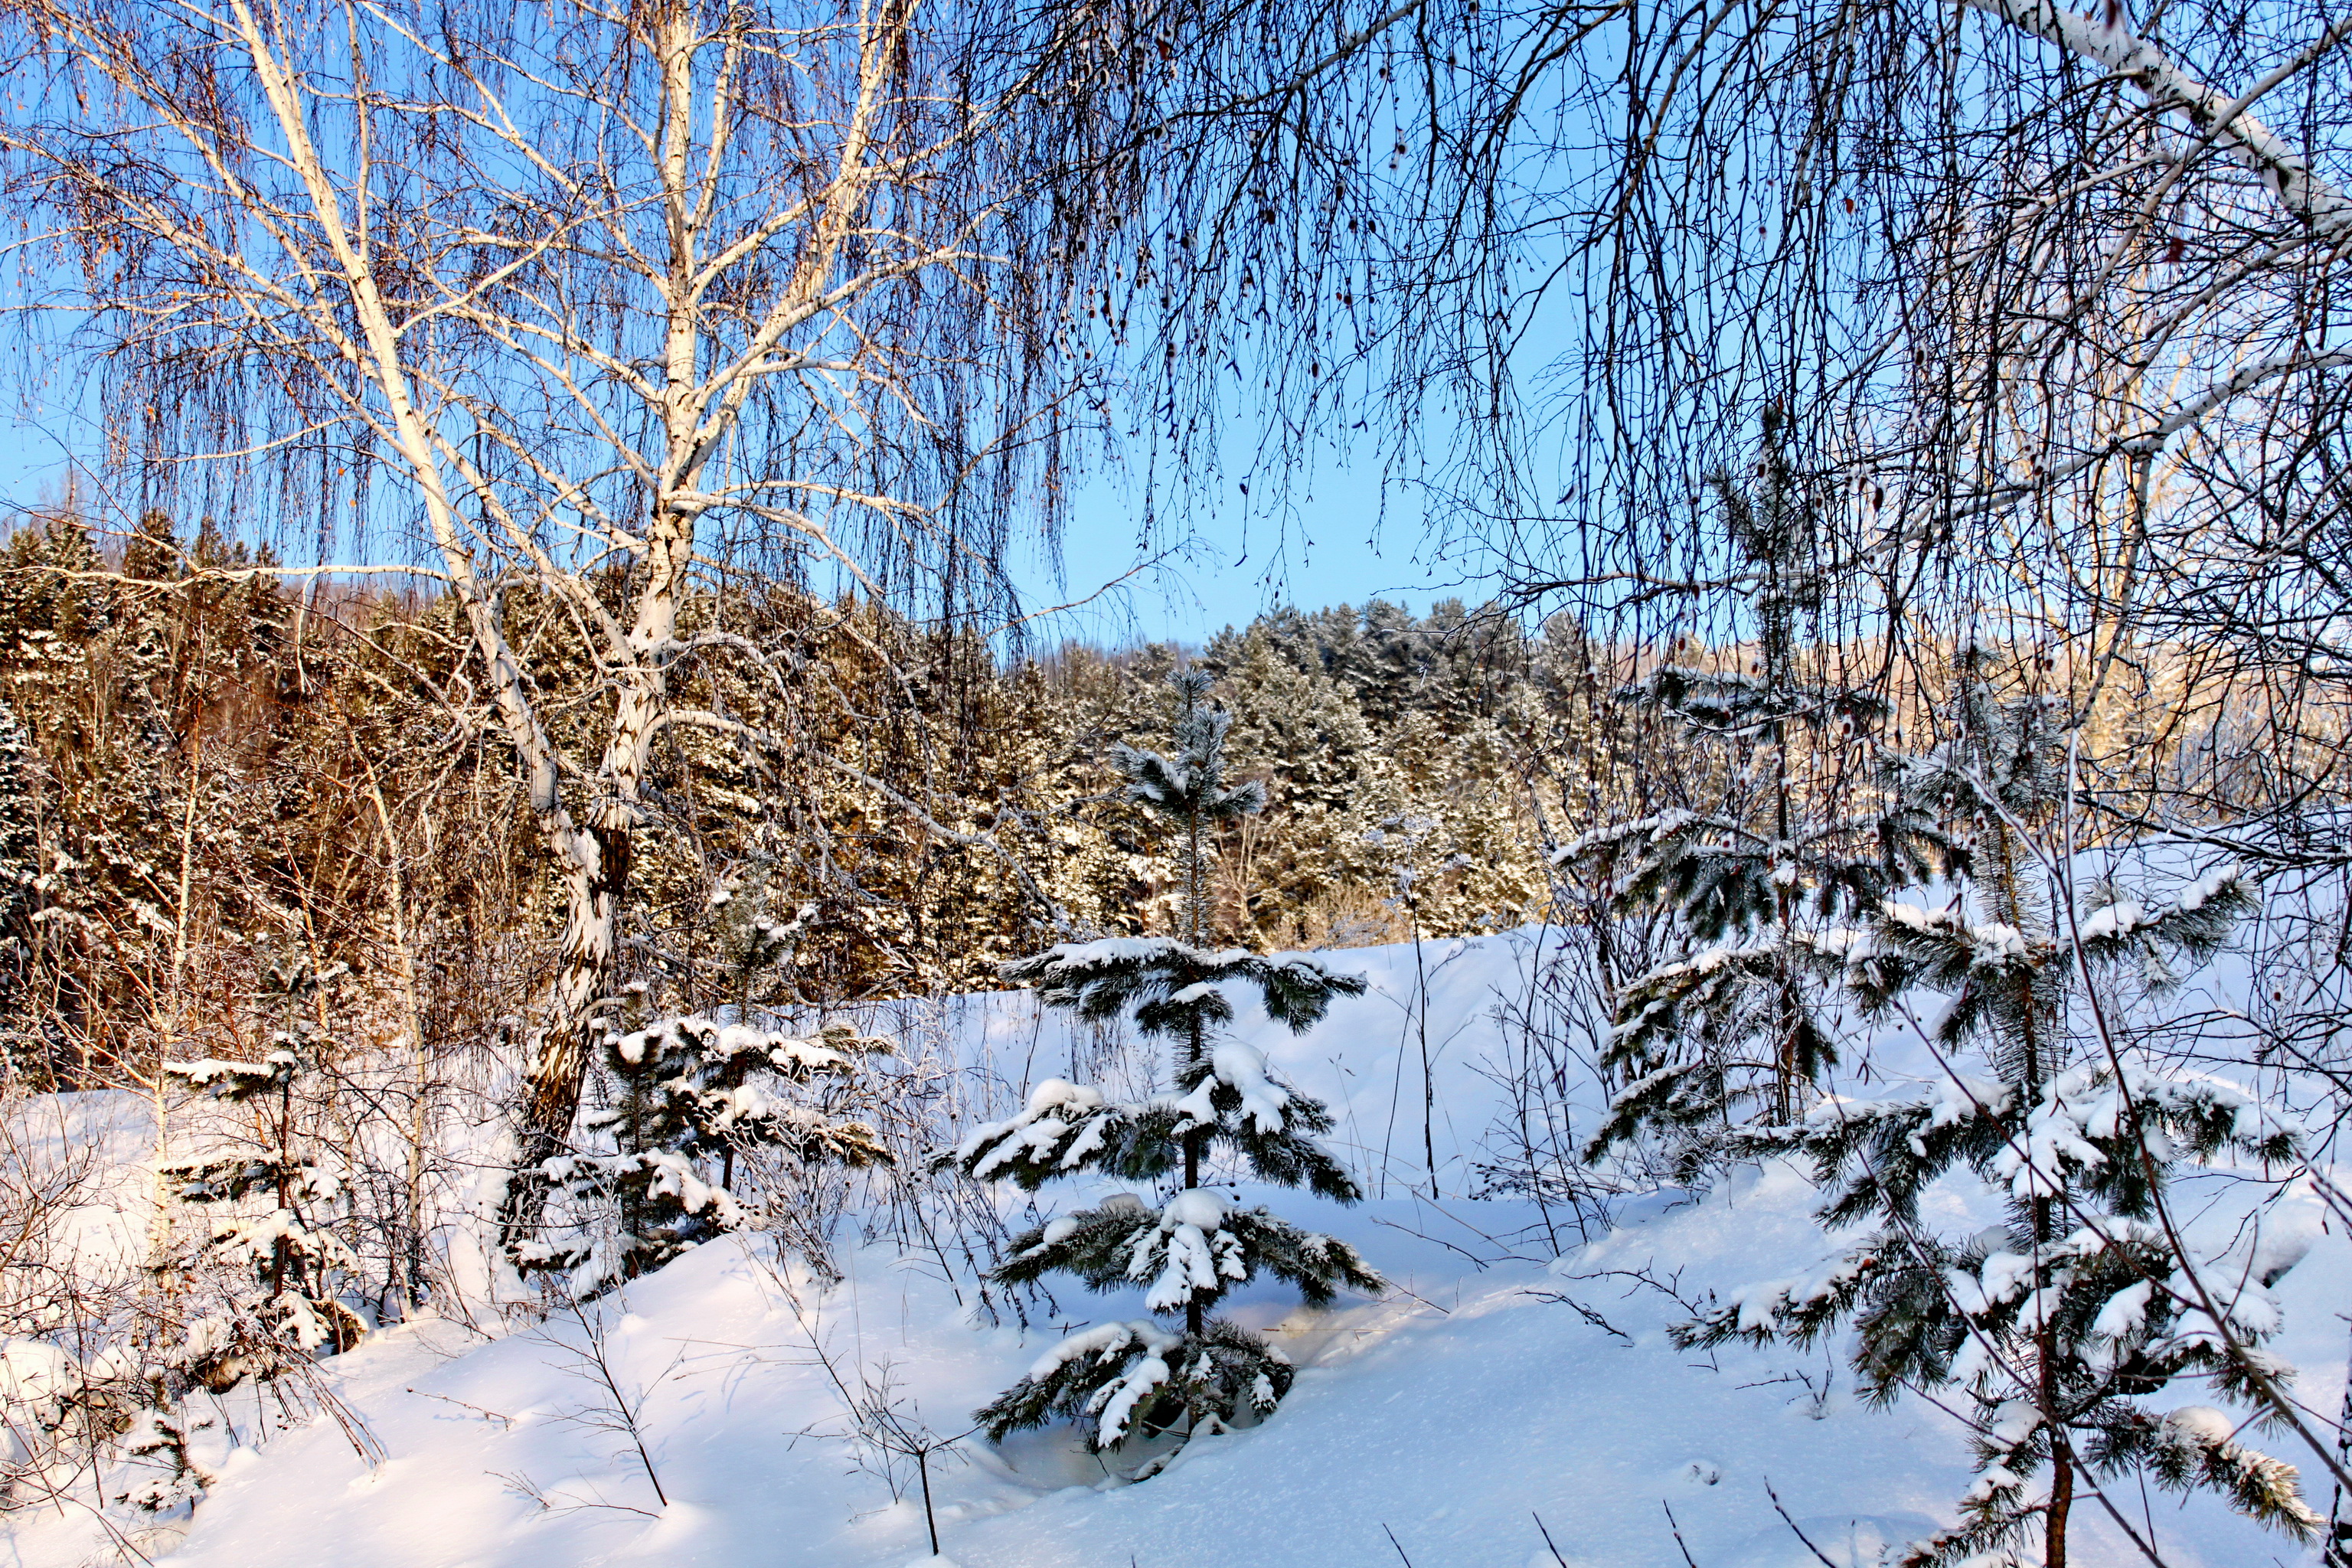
1434,1426
1452,1424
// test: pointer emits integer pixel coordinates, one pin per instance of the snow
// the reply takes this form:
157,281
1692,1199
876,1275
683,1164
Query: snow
1145,1375
1200,1208
1056,1106
1707,962
1907,914
1136,950
2204,889
1189,1251
1426,1421
2119,919
1240,1067
1498,1386
1654,828
2202,1425
206,1071
2276,1240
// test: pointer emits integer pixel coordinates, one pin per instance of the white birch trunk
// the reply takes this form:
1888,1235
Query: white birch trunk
2231,122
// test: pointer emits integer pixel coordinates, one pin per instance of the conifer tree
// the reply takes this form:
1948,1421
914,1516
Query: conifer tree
2058,1324
1389,662
688,1096
755,940
23,1051
281,1199
1326,775
289,1262
1732,1026
1194,1247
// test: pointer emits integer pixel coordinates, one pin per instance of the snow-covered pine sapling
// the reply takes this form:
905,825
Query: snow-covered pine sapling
1187,1252
753,940
262,1292
279,1202
2058,1325
687,1095
1733,1025
1196,1245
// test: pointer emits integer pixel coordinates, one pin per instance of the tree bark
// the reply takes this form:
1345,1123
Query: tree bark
2062,1480
1193,1317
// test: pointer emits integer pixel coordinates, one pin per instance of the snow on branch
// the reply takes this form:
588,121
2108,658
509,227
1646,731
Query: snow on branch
1064,1128
1171,986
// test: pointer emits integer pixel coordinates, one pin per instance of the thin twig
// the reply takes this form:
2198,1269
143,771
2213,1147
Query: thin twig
1819,1554
1548,1542
1675,1525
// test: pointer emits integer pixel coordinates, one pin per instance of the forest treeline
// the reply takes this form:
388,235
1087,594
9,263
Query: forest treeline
213,770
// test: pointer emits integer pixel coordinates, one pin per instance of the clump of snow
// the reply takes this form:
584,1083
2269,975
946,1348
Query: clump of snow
1119,1399
1102,1340
1125,950
1240,1067
1917,917
1057,1109
1190,1250
2202,1424
2119,919
2209,885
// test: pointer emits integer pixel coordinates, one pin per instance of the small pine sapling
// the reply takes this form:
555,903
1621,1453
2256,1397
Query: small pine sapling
279,1201
2059,1323
1192,1250
687,1096
164,1474
267,1289
1733,1025
754,942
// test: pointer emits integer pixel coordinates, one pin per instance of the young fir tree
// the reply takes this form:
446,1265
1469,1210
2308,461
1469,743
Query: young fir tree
280,1201
2057,1324
1197,1244
1733,1028
755,941
689,1097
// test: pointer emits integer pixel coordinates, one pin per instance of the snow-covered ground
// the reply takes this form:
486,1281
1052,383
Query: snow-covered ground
1497,1393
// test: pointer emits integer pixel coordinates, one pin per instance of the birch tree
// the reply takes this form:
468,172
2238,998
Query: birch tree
1986,255
2053,296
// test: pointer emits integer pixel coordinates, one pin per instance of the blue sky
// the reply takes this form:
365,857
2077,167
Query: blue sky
1336,546
1334,543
